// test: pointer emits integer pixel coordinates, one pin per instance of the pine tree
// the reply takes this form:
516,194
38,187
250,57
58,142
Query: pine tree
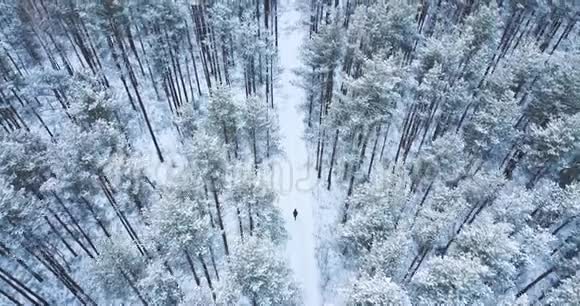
261,275
377,290
159,287
566,293
255,205
374,212
458,280
225,117
206,157
117,271
546,147
260,129
491,242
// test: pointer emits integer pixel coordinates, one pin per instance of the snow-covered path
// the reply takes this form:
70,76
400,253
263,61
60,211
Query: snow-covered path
297,179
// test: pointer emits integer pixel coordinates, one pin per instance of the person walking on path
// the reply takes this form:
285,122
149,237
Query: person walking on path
295,214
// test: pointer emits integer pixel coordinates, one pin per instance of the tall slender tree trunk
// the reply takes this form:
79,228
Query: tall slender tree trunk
332,159
219,215
357,167
94,215
384,142
69,231
254,147
134,287
319,175
123,218
76,223
24,290
240,223
535,281
251,218
374,152
417,261
207,277
192,267
10,298
8,253
212,256
59,235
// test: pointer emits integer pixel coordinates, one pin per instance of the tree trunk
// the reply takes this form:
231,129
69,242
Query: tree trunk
319,175
59,235
207,278
97,219
10,298
217,276
356,167
219,215
76,223
423,201
254,147
192,267
374,152
123,218
384,141
251,218
240,224
193,62
69,231
59,271
18,286
535,281
132,285
422,258
332,158
6,252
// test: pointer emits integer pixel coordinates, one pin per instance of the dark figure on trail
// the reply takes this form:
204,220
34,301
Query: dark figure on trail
295,213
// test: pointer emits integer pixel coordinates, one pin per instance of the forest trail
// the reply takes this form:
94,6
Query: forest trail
296,172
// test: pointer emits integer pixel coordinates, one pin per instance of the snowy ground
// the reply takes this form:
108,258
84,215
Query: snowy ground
297,179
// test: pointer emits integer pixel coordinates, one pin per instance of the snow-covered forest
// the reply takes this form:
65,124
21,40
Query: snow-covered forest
152,152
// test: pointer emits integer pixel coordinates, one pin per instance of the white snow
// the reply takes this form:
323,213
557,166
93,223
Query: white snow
297,178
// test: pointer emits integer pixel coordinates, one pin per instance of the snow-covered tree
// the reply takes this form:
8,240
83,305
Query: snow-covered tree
548,147
224,117
24,160
129,174
260,130
261,274
382,28
567,293
443,160
116,272
374,212
79,157
207,159
555,93
452,280
179,223
513,205
491,130
373,97
434,219
188,123
159,286
385,256
321,54
552,204
255,206
20,214
377,290
493,244
225,25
